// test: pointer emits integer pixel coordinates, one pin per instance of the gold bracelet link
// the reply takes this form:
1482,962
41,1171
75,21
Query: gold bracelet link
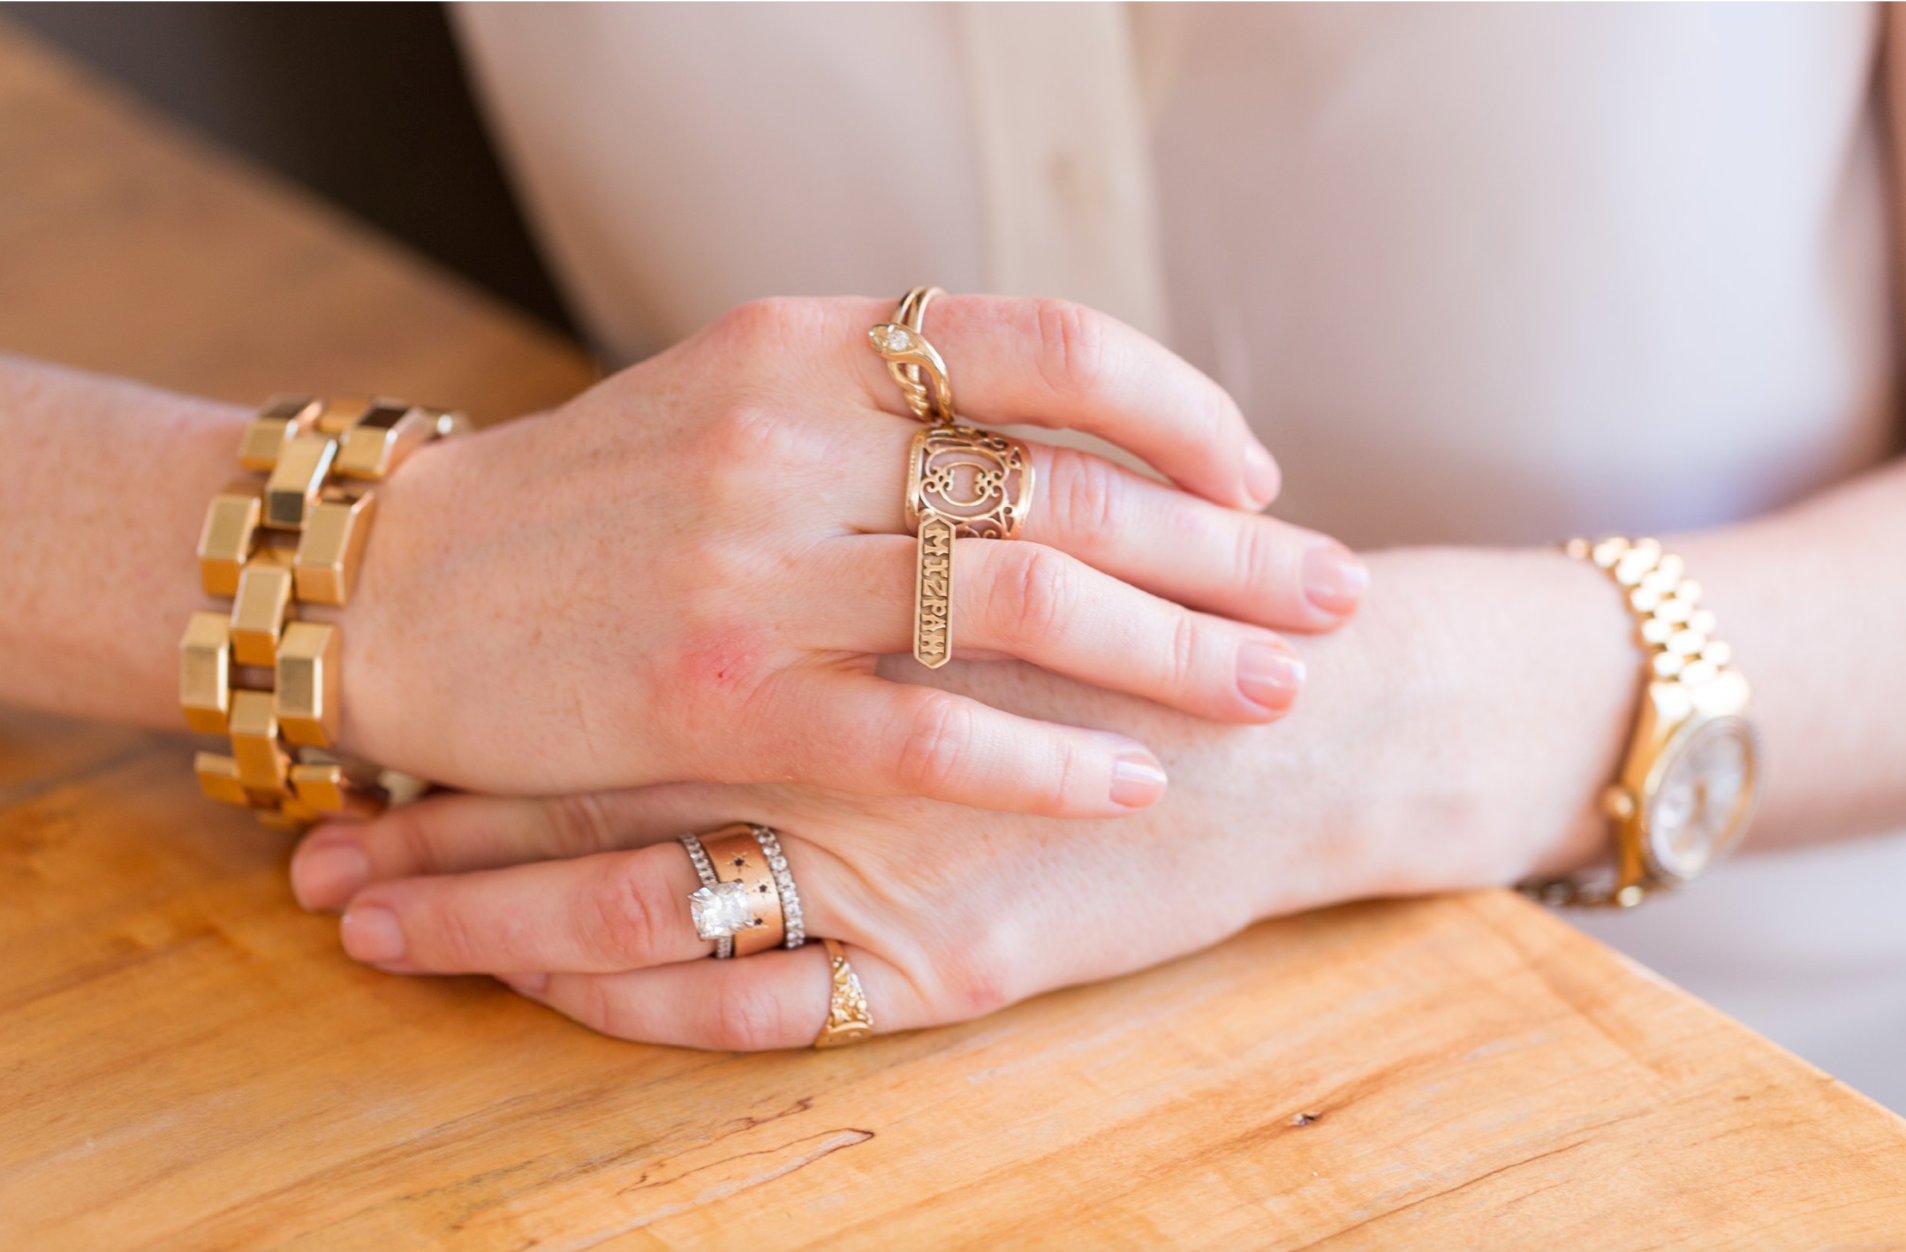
296,537
1677,636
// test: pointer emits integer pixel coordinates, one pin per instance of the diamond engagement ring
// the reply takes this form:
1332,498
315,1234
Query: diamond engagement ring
747,902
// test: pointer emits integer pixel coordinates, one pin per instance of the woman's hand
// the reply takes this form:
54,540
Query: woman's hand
688,572
1448,745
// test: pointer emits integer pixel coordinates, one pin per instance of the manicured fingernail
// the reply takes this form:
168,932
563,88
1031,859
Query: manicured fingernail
325,876
1137,780
527,984
371,935
1260,474
1334,578
1269,675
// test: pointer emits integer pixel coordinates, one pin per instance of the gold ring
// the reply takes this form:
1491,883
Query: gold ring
848,1019
961,483
747,902
913,362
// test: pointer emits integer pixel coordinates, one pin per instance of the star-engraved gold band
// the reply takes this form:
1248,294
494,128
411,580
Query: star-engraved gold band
966,484
848,1018
913,362
294,537
747,902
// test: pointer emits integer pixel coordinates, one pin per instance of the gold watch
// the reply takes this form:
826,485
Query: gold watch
1687,785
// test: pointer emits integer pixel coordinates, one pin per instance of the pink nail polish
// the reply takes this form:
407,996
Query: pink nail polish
1137,780
1261,479
1269,675
371,935
328,875
1334,578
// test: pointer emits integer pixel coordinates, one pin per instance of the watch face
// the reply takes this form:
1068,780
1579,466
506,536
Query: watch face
1700,807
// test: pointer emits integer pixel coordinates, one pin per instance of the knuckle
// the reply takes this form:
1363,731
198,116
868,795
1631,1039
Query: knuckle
450,940
748,1017
934,736
595,1008
579,824
627,925
1181,659
1074,346
976,977
767,322
1263,561
1089,489
407,828
745,440
1036,594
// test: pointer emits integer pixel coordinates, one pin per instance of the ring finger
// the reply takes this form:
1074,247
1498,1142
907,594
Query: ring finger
604,913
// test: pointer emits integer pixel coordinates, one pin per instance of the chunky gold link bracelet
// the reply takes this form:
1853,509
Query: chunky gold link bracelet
295,536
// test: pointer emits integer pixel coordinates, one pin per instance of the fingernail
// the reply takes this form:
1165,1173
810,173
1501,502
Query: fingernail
1260,474
325,876
1137,780
1334,578
1269,675
371,935
526,984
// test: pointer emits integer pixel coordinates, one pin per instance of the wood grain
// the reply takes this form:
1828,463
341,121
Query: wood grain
186,1060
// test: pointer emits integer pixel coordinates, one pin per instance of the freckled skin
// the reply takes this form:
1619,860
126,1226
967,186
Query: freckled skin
688,571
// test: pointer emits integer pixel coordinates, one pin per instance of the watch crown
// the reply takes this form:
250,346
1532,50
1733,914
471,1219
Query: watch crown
1618,802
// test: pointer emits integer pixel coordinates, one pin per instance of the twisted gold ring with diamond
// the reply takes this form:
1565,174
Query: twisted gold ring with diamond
913,362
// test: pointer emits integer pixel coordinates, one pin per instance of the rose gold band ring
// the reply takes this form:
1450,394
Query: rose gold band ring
747,902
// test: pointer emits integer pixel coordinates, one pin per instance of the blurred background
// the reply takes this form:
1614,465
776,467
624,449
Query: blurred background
365,104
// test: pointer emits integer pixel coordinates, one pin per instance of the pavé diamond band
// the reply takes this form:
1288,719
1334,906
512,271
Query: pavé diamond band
747,902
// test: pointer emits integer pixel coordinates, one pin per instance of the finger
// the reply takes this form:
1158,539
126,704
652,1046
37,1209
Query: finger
1245,566
751,1004
603,913
851,731
1060,365
1042,606
1242,565
454,833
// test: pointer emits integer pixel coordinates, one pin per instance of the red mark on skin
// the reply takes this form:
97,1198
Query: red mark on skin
730,661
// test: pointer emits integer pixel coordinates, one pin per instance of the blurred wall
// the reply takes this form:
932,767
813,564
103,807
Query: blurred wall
365,104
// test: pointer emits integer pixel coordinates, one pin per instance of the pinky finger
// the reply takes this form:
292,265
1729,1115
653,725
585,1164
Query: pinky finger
750,1004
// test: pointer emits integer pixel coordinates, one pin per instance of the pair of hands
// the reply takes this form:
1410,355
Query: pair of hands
670,599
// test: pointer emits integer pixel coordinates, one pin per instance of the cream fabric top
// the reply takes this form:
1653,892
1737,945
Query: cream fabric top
1478,274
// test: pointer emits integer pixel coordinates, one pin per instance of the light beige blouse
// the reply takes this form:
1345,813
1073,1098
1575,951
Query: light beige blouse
1478,274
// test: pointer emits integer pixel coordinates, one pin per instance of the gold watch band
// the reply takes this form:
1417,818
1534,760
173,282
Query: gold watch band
1677,638
295,536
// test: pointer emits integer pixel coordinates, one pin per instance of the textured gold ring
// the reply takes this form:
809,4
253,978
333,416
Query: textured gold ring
962,483
848,1018
912,361
747,902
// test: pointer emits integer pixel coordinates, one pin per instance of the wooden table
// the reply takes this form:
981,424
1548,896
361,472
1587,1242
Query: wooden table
187,1061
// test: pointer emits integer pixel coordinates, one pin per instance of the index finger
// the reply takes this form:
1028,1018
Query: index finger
1060,365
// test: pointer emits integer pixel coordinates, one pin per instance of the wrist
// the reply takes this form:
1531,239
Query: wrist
105,558
393,640
1487,698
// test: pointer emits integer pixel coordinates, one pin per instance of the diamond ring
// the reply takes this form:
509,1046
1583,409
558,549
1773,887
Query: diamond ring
747,902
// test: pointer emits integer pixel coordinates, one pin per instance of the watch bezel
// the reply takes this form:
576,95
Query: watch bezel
1664,760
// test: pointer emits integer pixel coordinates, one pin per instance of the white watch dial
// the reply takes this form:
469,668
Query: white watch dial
1700,807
